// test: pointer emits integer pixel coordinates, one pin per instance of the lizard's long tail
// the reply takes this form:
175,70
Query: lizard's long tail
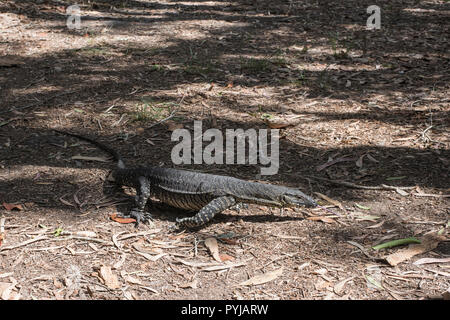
115,154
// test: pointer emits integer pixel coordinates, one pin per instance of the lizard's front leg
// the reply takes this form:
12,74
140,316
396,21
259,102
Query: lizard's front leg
206,213
142,195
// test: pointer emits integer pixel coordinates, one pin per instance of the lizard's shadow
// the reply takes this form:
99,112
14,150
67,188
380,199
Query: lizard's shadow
162,211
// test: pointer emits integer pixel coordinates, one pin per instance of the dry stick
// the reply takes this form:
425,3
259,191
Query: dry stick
107,243
172,114
138,234
431,195
356,186
24,243
286,255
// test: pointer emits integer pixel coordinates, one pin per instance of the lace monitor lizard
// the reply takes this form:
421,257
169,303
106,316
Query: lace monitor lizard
209,194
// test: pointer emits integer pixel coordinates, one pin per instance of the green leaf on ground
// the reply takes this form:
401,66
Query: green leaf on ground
395,243
362,207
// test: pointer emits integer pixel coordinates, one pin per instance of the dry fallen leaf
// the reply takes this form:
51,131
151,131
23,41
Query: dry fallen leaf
321,218
130,279
278,124
224,266
371,158
86,233
282,122
332,201
429,242
67,203
128,295
7,290
109,277
375,225
211,244
263,278
446,294
224,257
322,284
229,240
359,162
12,206
431,260
401,192
192,284
338,287
116,218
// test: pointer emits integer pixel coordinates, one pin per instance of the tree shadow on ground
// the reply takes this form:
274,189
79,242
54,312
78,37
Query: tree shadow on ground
306,49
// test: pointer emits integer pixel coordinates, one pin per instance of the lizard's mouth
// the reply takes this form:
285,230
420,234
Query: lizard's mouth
300,201
309,203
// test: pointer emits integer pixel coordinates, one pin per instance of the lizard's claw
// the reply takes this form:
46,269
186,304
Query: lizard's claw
140,216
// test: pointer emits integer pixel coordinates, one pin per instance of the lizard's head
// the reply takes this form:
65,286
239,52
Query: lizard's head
294,198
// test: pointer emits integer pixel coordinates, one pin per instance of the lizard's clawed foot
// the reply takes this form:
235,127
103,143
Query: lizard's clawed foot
174,228
140,216
239,206
177,226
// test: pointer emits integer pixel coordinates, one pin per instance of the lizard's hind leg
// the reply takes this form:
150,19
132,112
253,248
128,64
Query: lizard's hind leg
206,213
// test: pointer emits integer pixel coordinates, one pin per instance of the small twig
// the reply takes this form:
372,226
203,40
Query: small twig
85,239
172,114
425,222
23,243
118,121
195,246
110,108
138,234
414,102
357,186
424,135
114,240
431,195
285,255
364,251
